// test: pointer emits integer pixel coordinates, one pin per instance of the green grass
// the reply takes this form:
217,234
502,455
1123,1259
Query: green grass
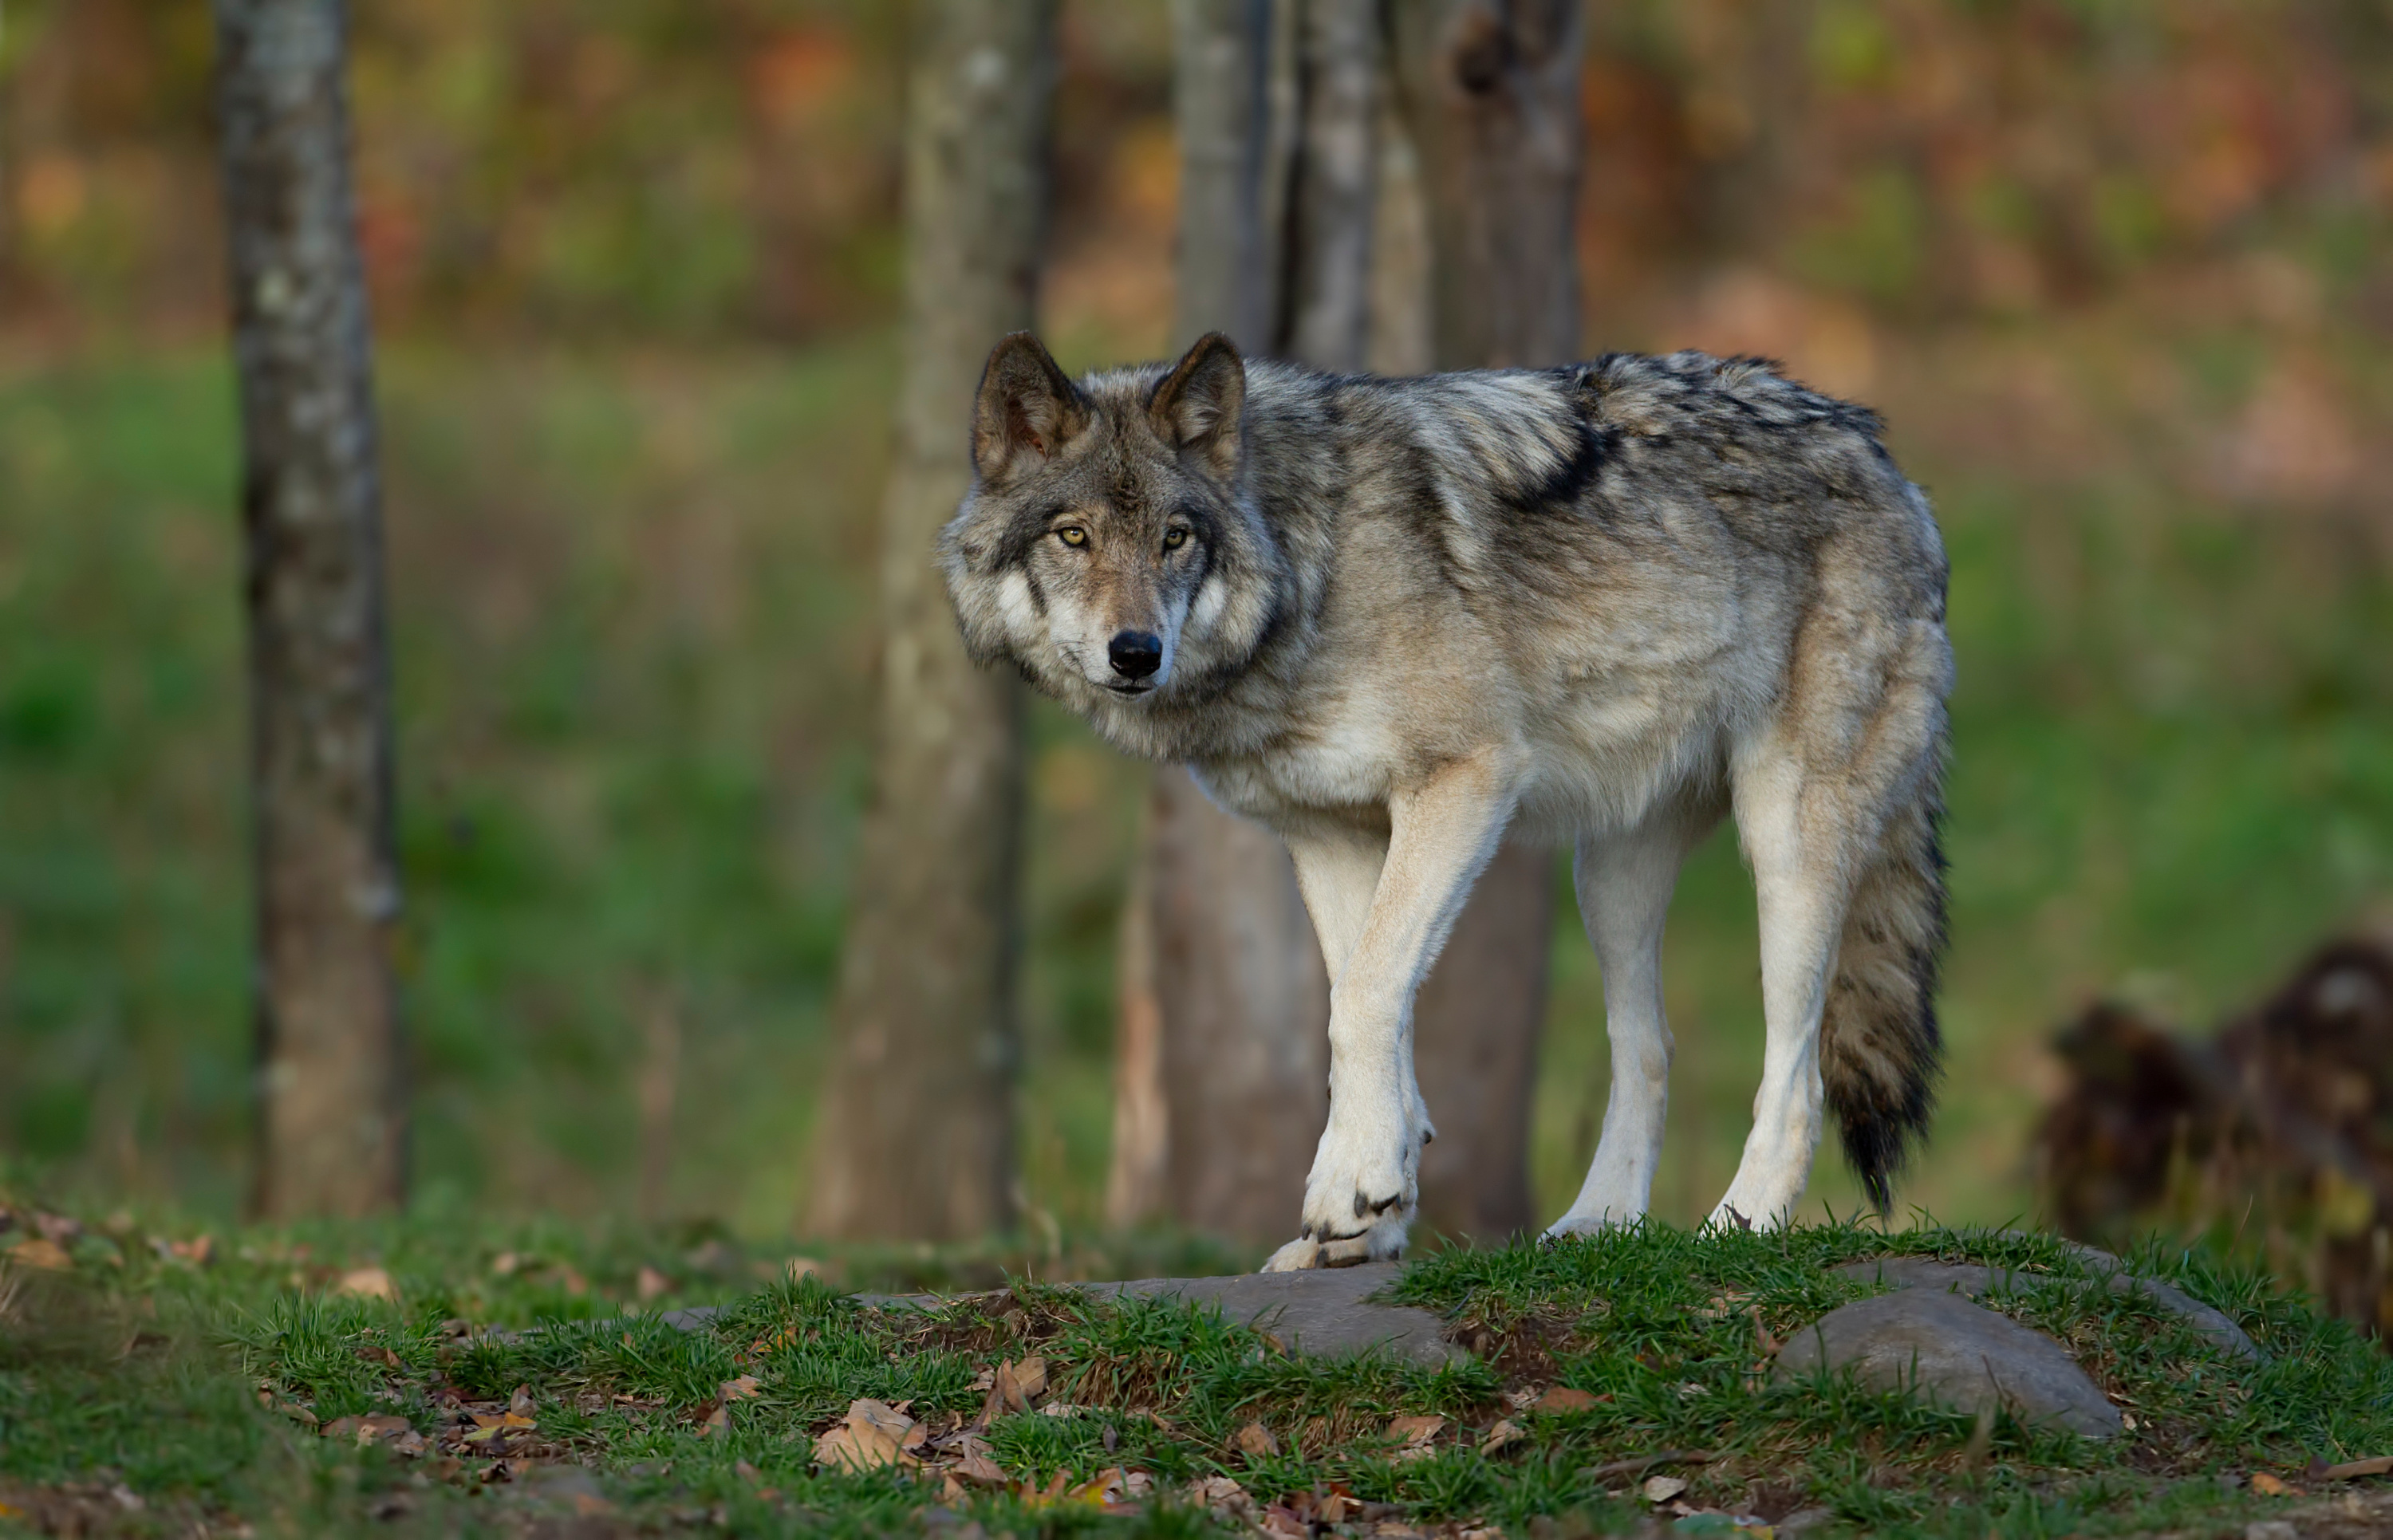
201,1388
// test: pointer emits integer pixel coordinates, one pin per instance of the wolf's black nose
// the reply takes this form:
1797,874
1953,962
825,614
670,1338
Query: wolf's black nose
1135,654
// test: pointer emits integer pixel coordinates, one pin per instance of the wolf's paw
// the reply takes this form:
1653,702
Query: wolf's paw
1364,1189
1578,1223
1304,1254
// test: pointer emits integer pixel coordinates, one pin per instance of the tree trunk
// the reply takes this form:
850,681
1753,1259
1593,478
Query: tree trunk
1332,192
1490,95
914,1136
332,1130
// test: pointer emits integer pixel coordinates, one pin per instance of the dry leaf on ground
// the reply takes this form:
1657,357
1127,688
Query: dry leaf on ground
2351,1469
489,1426
2270,1486
1222,1495
973,1463
1281,1523
1562,1398
367,1282
1498,1435
1418,1433
874,1434
1020,1384
742,1388
1256,1439
41,1252
1661,1489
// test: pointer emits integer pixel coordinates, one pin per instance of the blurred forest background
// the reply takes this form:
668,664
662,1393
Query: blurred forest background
2116,271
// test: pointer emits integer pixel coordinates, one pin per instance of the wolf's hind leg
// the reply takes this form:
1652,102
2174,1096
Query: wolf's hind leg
1624,883
1366,1180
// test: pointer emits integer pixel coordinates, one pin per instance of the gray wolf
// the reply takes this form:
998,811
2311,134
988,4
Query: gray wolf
1608,604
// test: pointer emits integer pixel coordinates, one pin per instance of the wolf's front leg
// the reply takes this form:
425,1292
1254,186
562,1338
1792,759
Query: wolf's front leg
1366,1180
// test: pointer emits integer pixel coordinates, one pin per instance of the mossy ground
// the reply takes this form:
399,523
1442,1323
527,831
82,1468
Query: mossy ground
201,1391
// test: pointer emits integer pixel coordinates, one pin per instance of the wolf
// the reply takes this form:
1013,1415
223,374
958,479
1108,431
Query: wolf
1607,604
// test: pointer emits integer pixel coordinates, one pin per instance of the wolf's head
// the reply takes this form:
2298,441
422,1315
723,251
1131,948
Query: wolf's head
1108,547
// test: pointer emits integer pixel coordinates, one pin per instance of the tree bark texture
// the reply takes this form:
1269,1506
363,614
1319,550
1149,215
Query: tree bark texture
1489,91
914,1137
1325,290
1219,105
331,1127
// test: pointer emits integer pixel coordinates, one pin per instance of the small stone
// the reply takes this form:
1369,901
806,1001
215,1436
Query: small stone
1972,1279
1661,1489
1960,1354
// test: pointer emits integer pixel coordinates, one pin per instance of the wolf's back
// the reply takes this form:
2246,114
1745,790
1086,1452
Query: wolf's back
1881,1052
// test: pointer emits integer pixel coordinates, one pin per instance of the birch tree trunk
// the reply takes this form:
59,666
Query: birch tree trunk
331,1127
1489,93
914,1136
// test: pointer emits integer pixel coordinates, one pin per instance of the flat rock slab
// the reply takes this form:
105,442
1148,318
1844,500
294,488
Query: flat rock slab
1327,1313
1974,1280
1324,1314
1960,1354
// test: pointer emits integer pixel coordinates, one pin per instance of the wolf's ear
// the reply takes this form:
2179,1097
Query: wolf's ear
1027,413
1200,407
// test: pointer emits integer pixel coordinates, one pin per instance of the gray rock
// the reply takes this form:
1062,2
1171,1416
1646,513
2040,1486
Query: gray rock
1974,1280
1327,1313
1324,1314
1956,1353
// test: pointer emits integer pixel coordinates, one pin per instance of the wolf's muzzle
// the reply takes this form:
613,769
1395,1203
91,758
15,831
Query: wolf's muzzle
1135,654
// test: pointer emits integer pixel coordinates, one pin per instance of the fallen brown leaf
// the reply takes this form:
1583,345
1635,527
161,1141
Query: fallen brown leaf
1256,1439
1418,1433
1563,1398
742,1388
1498,1435
367,1282
497,1424
2270,1486
873,1434
1023,1383
1661,1489
519,1404
717,1420
973,1463
2379,1465
1223,1495
40,1251
652,1283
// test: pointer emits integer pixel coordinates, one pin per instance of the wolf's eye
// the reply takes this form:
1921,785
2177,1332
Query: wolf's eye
1174,538
1072,534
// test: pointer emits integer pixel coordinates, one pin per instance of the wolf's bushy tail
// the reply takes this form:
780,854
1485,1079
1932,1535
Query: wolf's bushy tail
1880,1051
